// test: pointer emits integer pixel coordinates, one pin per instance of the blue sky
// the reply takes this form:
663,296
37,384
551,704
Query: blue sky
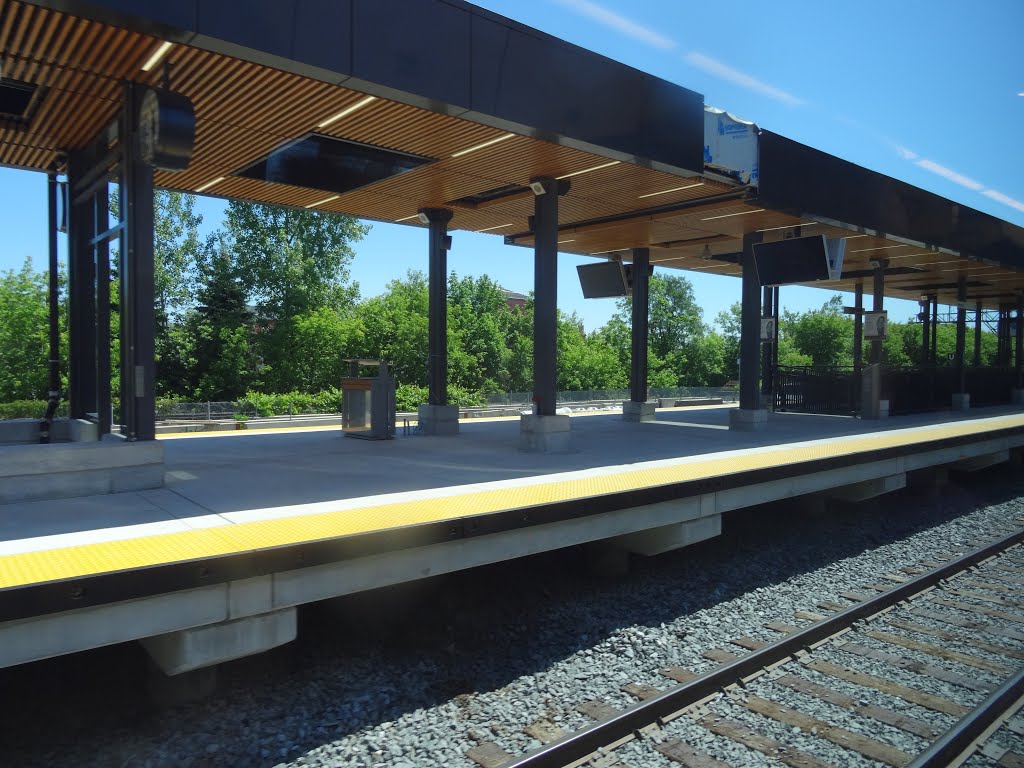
926,91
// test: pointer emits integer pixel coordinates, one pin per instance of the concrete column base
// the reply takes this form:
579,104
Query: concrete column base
748,420
961,401
190,649
1018,397
634,411
656,541
438,419
544,434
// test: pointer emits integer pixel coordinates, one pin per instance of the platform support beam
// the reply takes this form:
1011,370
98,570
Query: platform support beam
978,311
878,305
858,327
1019,347
138,349
926,330
750,415
543,431
961,398
437,417
767,371
637,408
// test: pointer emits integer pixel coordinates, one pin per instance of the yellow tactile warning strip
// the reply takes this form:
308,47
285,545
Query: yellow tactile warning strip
104,557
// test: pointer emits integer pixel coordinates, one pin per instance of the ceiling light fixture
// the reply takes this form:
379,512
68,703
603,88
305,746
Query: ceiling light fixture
407,218
570,240
613,250
878,248
346,111
158,54
321,202
209,184
588,170
674,189
706,253
786,226
489,143
727,215
499,226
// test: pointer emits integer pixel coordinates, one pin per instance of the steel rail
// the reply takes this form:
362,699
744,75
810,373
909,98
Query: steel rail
963,733
578,745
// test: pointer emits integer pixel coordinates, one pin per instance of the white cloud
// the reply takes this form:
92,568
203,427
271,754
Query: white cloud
946,173
906,154
742,79
1004,199
619,23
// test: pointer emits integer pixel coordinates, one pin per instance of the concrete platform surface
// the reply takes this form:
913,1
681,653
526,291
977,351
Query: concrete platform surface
215,479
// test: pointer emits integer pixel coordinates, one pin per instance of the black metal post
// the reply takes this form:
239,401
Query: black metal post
1019,348
545,292
81,298
437,312
858,328
53,396
934,357
926,330
767,311
961,333
641,302
978,310
775,346
750,327
138,395
877,305
101,256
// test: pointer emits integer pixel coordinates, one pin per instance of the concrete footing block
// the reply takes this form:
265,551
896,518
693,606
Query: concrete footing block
1017,396
438,419
190,649
634,411
984,461
666,538
869,489
928,479
961,401
166,691
544,434
748,420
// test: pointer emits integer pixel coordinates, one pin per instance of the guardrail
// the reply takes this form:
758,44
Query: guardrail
807,389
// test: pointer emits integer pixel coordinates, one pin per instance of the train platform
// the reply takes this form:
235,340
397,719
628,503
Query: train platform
251,524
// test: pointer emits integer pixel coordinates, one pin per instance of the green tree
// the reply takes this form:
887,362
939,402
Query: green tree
825,335
292,263
24,344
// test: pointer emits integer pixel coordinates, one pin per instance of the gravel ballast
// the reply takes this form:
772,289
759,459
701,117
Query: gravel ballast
417,676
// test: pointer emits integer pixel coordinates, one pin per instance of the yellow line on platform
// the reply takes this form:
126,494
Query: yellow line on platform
103,557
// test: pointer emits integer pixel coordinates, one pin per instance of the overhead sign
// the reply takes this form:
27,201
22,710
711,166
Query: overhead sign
167,129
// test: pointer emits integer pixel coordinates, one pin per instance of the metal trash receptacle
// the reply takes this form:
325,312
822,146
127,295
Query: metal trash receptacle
368,402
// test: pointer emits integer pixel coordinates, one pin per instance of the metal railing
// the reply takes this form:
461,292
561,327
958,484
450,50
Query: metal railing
931,388
728,394
809,389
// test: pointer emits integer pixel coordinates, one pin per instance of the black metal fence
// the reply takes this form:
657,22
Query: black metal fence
931,388
808,389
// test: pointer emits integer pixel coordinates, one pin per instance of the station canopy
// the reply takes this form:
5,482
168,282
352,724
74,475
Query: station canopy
379,109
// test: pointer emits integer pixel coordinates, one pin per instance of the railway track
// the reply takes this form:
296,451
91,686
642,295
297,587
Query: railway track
955,625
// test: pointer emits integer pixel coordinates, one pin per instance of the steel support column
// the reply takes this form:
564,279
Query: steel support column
1019,346
138,400
934,357
545,292
437,313
775,340
961,334
926,330
81,298
641,302
978,310
878,305
767,310
750,327
858,328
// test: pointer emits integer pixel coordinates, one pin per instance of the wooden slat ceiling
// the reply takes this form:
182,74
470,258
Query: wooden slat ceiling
245,110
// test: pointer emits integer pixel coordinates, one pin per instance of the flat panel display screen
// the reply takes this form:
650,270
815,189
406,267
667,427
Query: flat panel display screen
602,280
799,260
334,165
